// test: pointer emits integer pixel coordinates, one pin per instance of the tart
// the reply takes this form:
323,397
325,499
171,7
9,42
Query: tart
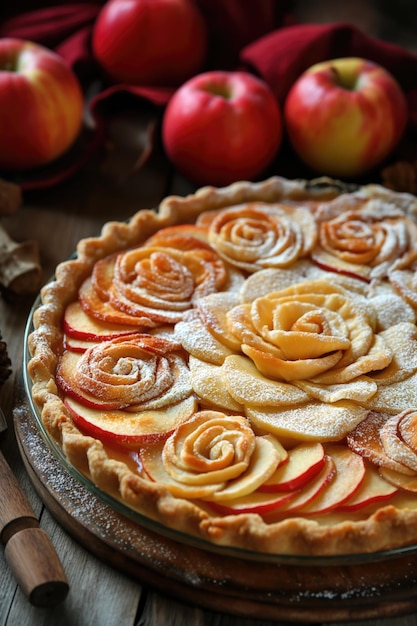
240,365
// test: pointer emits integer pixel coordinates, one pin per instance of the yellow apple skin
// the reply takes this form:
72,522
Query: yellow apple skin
344,116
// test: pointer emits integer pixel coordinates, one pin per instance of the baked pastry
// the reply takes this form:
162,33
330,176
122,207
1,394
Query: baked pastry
241,365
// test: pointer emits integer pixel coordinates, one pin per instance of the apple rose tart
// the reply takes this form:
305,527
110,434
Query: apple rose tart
255,348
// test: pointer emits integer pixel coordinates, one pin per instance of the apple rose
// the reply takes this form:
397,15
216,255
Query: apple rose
130,373
312,331
255,236
213,456
364,243
153,284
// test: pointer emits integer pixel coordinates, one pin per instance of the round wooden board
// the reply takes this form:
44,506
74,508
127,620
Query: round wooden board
248,588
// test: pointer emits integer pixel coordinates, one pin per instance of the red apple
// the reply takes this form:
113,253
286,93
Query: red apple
41,105
150,42
344,116
220,127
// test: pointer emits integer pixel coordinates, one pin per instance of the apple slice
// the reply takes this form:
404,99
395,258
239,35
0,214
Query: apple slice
365,440
78,345
257,502
374,488
304,463
400,480
79,325
333,263
312,488
129,428
350,473
394,445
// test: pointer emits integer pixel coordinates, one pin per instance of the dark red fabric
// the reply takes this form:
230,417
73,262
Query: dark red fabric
281,56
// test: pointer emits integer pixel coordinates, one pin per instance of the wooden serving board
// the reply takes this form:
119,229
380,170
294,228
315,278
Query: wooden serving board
270,591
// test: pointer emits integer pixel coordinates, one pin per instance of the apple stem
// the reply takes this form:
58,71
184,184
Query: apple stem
346,81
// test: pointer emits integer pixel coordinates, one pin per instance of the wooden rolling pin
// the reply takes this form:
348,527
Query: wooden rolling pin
29,551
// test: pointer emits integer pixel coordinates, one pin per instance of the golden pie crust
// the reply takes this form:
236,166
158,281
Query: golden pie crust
237,328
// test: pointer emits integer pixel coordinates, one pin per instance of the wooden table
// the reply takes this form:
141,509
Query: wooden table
106,188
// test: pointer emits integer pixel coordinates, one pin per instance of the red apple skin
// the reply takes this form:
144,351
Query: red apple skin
41,104
220,127
345,116
150,42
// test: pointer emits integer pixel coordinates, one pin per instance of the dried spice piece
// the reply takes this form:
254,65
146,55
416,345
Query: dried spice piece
20,269
5,363
401,176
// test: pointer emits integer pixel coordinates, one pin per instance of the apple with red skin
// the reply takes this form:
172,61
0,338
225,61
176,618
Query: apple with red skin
220,127
150,42
41,105
344,116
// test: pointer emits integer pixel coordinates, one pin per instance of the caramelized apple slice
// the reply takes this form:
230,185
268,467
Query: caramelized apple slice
304,463
350,473
365,440
129,428
374,488
79,325
394,446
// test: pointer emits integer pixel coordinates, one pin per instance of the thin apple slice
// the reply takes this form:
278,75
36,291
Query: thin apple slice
332,263
310,490
304,462
400,480
77,345
79,325
373,489
129,428
394,445
350,473
365,440
257,502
